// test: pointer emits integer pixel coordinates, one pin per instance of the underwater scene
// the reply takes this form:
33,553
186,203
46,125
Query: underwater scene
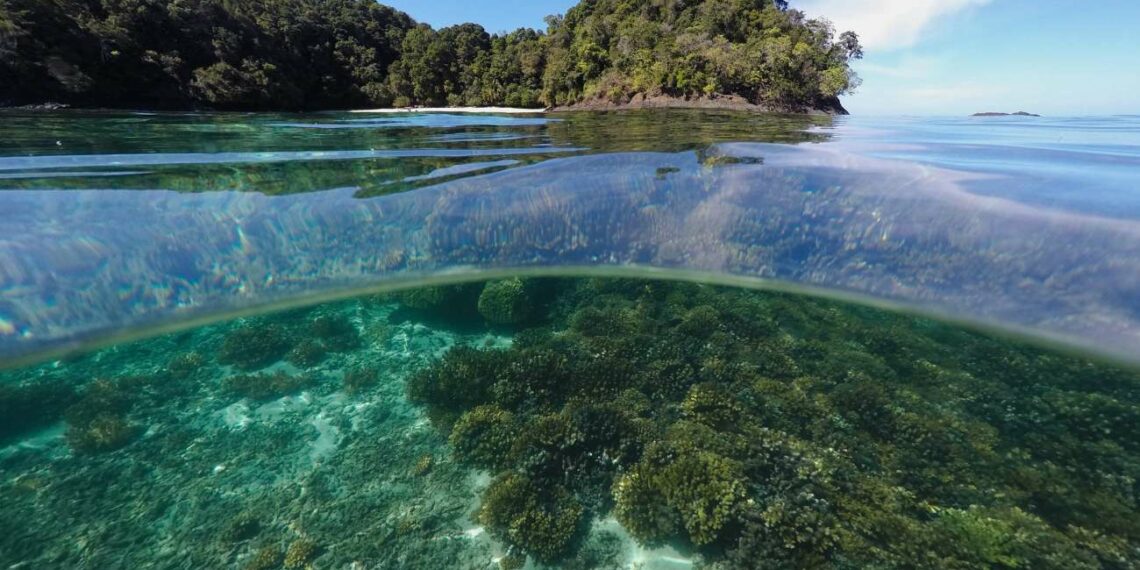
662,340
582,423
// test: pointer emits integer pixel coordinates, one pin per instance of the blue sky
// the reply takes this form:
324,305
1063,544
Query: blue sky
1058,57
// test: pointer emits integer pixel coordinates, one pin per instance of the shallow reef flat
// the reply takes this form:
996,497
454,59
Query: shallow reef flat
572,423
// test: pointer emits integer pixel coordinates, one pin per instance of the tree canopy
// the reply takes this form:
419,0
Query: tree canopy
324,54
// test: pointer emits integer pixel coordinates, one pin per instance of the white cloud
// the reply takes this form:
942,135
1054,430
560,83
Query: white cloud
885,24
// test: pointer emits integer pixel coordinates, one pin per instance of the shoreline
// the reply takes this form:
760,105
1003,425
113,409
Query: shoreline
713,102
637,102
469,110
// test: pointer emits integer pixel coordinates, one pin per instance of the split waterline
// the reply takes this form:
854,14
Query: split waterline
670,339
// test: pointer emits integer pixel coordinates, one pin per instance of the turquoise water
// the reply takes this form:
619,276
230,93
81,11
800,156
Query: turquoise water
1027,225
710,340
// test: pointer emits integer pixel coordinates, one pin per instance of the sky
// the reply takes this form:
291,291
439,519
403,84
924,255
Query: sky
937,57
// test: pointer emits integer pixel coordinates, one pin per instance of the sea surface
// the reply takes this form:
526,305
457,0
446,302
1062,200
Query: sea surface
647,340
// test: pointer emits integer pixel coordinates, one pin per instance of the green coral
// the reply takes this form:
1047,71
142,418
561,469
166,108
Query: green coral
483,437
266,386
699,491
512,561
641,508
461,380
540,522
97,422
185,365
255,346
266,558
307,354
300,553
455,302
710,405
706,489
104,432
505,302
774,431
243,527
335,332
701,322
358,379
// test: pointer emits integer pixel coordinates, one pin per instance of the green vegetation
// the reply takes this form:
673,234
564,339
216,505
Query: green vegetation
766,430
305,54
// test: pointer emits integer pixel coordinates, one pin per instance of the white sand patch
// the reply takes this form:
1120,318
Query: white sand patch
328,438
499,110
274,410
236,416
641,558
39,440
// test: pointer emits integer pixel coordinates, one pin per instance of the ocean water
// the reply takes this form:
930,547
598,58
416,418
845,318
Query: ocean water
652,340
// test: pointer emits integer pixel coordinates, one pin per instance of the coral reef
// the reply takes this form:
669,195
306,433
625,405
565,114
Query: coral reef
767,430
335,332
104,432
307,353
505,302
185,365
241,528
457,383
255,346
98,421
741,429
541,522
267,558
266,386
300,553
483,437
360,378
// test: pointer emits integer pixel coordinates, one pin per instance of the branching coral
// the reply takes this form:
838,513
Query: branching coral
266,386
255,346
336,333
773,431
540,522
455,384
506,302
358,379
300,553
483,437
97,422
307,354
104,432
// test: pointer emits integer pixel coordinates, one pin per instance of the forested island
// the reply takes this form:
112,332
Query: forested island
299,55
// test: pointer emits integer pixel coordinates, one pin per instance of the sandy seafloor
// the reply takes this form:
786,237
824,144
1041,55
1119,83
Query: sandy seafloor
214,480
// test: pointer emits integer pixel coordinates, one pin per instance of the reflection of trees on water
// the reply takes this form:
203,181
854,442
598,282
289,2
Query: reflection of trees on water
527,143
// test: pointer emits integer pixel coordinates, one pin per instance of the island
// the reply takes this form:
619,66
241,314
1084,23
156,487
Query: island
300,55
993,114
